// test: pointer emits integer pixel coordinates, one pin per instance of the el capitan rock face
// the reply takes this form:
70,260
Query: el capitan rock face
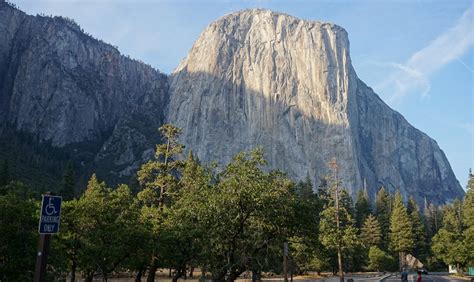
253,78
260,78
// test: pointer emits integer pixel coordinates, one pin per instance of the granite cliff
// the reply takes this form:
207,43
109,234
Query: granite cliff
252,78
260,78
63,90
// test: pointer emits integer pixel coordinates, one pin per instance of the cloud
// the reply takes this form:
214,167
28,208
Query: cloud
414,75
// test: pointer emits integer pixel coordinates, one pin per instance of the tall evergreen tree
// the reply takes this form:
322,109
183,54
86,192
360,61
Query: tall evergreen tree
382,212
449,243
362,208
158,177
468,217
337,226
371,234
420,249
401,236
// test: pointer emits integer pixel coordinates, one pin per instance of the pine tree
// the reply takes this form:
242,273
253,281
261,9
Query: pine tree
362,208
449,243
371,234
468,217
420,249
468,203
304,188
401,236
158,177
382,212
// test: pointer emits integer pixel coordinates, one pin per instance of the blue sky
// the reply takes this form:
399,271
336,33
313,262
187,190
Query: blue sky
417,55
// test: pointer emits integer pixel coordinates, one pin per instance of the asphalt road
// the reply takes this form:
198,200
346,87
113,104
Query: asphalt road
426,278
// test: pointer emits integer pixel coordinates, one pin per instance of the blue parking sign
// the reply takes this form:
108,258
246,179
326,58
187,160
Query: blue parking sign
50,214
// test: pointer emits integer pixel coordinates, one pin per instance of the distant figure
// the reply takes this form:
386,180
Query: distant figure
419,277
404,275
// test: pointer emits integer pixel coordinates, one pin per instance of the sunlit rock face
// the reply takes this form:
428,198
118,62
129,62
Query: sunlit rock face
260,78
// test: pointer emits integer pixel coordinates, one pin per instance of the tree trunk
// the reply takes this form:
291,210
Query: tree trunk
191,271
73,271
152,272
138,277
89,276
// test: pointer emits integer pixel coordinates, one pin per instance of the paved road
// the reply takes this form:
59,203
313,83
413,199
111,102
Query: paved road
426,278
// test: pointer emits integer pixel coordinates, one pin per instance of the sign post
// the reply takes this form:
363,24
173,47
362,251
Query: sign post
48,224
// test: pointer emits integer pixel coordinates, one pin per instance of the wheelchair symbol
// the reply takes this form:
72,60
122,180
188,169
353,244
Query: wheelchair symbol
50,209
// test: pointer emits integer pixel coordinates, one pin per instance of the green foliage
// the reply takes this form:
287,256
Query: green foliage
371,234
401,237
19,233
449,244
101,229
383,212
379,260
343,238
420,248
158,176
306,250
362,208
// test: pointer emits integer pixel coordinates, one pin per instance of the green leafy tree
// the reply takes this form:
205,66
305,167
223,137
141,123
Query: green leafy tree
401,236
362,208
108,224
371,234
19,232
246,215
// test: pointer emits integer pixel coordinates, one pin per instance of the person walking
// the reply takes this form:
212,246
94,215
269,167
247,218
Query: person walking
404,275
419,277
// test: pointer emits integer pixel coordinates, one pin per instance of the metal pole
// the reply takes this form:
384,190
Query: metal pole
42,257
285,261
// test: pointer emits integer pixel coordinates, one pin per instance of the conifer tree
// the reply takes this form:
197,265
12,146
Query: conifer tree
362,208
449,243
371,234
158,177
401,236
468,217
420,249
382,212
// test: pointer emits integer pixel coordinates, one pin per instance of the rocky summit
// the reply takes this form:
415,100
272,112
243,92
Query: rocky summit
260,78
253,78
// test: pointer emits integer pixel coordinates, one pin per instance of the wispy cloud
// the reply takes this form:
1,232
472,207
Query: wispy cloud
413,76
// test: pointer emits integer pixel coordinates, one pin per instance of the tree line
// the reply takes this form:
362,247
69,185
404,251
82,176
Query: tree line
185,216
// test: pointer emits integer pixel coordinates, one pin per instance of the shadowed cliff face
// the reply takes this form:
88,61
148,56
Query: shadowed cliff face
72,92
261,78
65,86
